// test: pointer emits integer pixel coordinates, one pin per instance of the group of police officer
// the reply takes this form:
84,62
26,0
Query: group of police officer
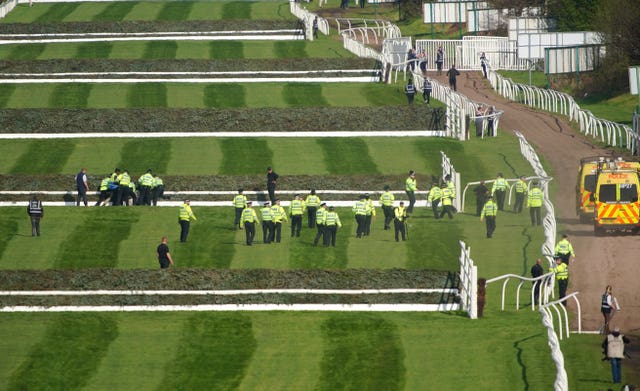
119,188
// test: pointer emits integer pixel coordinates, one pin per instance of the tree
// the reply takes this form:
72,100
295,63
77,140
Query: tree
516,7
618,20
574,15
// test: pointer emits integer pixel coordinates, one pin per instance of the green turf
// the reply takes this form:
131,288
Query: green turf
236,10
6,90
38,159
138,156
224,95
94,50
347,156
24,52
176,11
160,49
226,49
115,11
296,95
58,13
147,95
69,95
243,155
296,49
8,226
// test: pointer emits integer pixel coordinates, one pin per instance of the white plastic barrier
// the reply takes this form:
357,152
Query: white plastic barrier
543,280
468,282
7,6
448,169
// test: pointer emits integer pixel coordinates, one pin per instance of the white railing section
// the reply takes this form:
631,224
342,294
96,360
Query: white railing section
307,19
543,280
448,169
605,131
7,6
511,181
468,282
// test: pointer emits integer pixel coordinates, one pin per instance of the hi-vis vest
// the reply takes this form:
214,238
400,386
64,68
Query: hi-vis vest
561,271
35,207
332,219
535,198
387,198
564,247
360,208
296,207
146,180
312,201
434,194
446,196
104,185
278,214
521,186
500,184
400,213
266,213
240,201
490,209
615,346
157,181
185,213
125,179
249,215
321,215
410,184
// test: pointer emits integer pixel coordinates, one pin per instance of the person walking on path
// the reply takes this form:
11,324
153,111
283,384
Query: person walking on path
400,218
564,249
537,271
184,219
386,202
296,210
332,223
410,187
248,222
321,219
535,199
426,90
613,347
278,216
482,193
521,192
453,73
608,307
439,60
267,222
239,203
371,213
82,186
312,203
410,91
164,256
360,210
36,213
272,179
499,190
435,196
561,272
489,213
483,64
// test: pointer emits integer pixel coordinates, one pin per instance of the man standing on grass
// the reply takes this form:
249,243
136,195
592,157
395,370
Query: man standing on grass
321,217
267,222
435,195
410,90
499,190
272,177
312,202
36,212
184,219
248,223
239,203
296,210
534,202
400,217
332,223
386,201
613,347
360,211
537,271
521,192
82,185
561,271
410,188
164,256
489,213
278,215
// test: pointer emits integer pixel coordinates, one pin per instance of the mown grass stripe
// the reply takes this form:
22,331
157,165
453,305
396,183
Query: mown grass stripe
157,50
245,156
213,354
175,10
94,50
361,352
69,354
70,95
115,12
58,13
226,50
9,226
303,94
303,255
296,49
138,156
26,52
6,91
145,95
224,95
347,156
44,157
237,10
104,228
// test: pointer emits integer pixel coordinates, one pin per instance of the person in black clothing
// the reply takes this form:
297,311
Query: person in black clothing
426,90
537,271
82,186
164,256
482,192
35,212
453,73
272,177
483,64
315,27
410,91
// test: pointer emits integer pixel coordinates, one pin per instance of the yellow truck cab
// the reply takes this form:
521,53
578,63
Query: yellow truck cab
587,174
616,196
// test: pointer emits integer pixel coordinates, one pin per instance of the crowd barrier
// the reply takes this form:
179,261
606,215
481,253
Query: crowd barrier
468,282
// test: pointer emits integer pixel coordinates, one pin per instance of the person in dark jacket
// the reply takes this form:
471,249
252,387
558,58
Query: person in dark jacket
453,73
35,212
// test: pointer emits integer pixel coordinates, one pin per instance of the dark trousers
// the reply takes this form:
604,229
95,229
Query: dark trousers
564,257
410,98
534,212
517,206
104,195
447,209
367,225
296,225
184,230
145,195
412,201
490,222
158,192
319,234
616,369
276,233
426,94
361,220
453,84
330,232
400,229
236,222
311,215
272,193
484,70
479,205
388,216
434,208
562,289
536,291
35,225
82,196
267,228
249,231
500,198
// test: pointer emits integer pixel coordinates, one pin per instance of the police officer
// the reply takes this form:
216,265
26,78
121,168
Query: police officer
360,210
105,193
447,202
410,186
312,202
239,203
564,249
296,210
278,216
534,202
521,192
158,189
426,90
267,222
124,191
435,195
370,214
321,219
410,90
35,212
114,186
82,185
561,271
400,217
248,223
499,189
184,219
146,183
332,223
386,201
489,213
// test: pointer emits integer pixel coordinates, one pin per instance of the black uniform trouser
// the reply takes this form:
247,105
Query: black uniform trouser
35,225
564,257
388,216
400,230
490,222
500,198
236,222
319,234
534,213
104,195
296,225
184,230
145,195
158,192
272,193
517,206
267,228
562,289
311,215
410,98
361,220
250,231
367,225
536,291
480,205
447,209
426,94
330,232
412,201
453,84
434,208
276,233
82,196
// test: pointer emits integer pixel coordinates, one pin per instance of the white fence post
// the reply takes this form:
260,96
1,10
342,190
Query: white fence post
468,282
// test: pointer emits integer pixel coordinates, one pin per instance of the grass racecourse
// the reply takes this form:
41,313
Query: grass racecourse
258,350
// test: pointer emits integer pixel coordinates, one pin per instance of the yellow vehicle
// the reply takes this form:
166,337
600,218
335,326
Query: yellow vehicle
616,196
587,173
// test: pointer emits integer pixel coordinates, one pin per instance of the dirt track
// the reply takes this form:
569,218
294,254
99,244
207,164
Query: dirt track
599,260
